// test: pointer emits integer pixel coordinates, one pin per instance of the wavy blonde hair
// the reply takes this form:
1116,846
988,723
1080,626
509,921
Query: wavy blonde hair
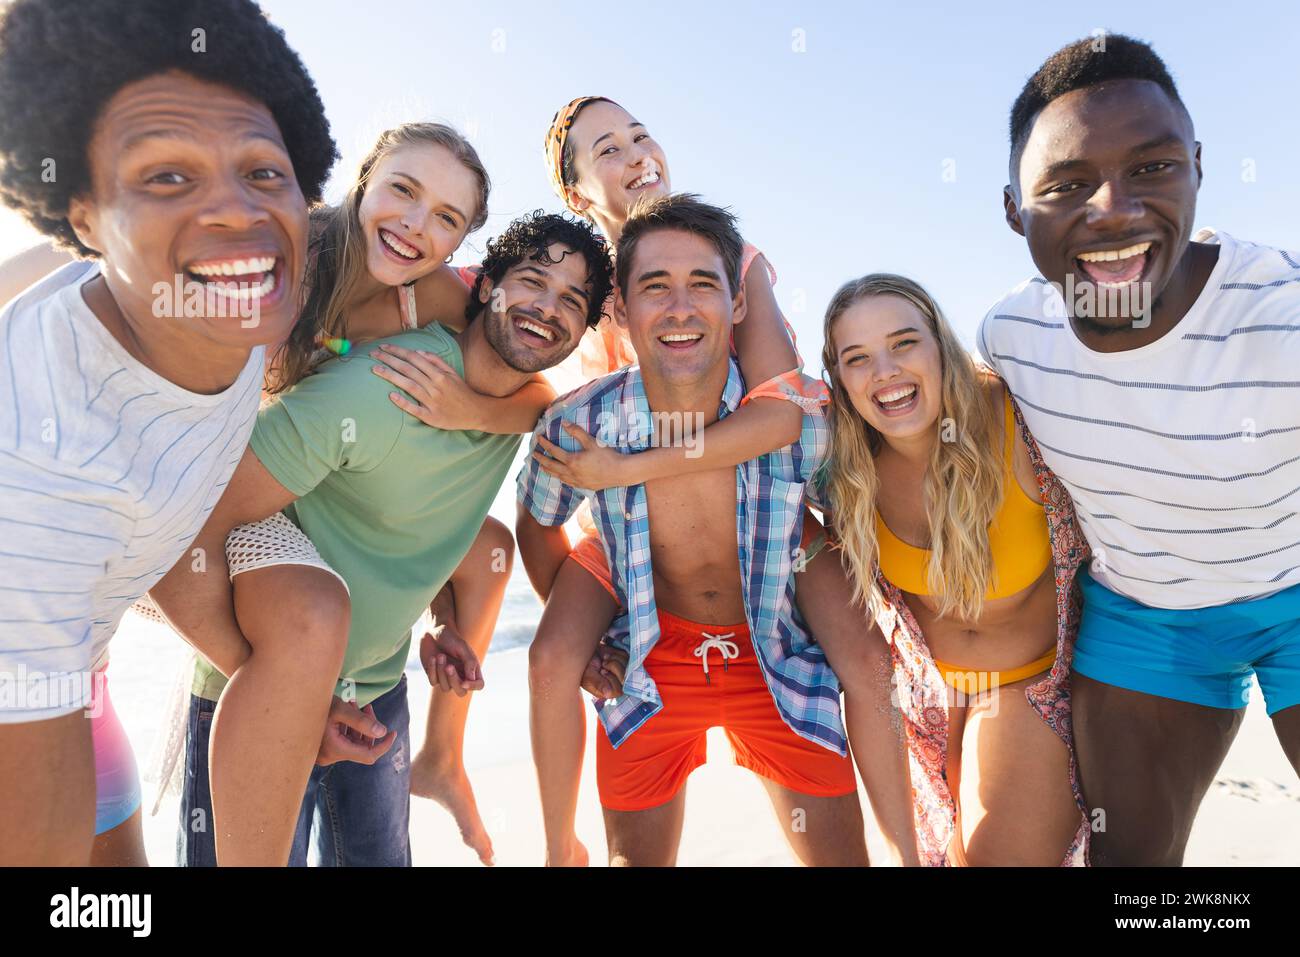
963,483
338,249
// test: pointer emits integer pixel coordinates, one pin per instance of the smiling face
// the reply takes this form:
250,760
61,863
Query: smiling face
192,180
616,161
416,210
678,308
537,313
888,361
1107,190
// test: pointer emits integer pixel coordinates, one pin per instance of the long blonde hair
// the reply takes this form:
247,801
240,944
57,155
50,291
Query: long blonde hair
963,483
338,259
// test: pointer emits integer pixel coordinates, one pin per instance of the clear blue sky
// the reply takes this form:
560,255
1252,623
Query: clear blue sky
834,157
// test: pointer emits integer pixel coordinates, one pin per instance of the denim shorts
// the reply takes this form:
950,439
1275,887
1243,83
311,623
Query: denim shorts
353,815
1200,655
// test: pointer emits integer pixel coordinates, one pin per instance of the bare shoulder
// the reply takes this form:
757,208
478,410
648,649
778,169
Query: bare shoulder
995,393
1024,464
441,297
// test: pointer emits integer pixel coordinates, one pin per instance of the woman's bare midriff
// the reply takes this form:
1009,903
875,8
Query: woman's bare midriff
1010,632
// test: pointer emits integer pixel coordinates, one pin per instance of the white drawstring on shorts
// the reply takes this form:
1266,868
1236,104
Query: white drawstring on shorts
728,649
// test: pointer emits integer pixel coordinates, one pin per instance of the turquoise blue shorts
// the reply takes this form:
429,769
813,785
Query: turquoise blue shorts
1201,655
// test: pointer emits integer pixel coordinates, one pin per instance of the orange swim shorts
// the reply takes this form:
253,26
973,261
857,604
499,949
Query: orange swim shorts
651,765
590,554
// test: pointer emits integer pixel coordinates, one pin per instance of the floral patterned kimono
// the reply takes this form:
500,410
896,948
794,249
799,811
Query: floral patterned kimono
918,683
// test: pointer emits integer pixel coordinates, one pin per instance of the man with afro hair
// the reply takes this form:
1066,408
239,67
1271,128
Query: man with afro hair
1156,367
174,146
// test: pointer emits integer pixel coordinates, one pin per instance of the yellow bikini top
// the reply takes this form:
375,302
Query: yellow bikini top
1018,537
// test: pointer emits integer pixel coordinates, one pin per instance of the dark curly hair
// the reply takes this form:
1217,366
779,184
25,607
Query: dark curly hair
529,237
61,61
1084,63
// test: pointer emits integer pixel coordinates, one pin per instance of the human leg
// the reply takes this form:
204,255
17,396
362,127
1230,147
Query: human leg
648,838
438,771
860,658
267,728
576,616
1145,764
1016,804
47,792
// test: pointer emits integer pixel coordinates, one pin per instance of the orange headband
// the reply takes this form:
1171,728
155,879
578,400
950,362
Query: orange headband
556,137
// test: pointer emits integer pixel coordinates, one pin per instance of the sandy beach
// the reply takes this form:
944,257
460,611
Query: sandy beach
1251,816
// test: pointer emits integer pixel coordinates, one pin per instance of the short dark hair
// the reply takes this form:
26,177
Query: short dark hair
1083,63
530,237
61,61
687,212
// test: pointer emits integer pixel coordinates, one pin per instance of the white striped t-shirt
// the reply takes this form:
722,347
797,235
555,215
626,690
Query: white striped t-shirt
107,473
1182,456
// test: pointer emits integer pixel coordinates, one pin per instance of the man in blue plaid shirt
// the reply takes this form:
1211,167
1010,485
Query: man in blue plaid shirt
706,592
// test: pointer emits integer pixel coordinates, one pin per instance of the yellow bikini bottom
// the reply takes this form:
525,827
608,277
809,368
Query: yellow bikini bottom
968,682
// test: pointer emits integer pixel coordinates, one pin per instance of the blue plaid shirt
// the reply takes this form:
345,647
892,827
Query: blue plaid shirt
769,526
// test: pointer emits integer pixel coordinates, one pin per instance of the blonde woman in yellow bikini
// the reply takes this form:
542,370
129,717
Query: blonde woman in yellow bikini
936,502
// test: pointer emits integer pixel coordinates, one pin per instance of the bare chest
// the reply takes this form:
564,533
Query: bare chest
693,544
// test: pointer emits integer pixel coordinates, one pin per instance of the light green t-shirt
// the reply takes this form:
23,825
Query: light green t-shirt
390,503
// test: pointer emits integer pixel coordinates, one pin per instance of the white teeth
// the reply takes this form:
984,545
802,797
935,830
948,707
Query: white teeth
402,249
680,337
893,395
651,175
243,292
533,327
234,267
1110,255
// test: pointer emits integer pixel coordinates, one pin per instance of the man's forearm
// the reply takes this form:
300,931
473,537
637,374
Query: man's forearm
543,549
196,595
443,607
198,600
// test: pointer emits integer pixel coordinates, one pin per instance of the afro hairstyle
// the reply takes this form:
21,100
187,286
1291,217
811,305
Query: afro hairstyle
61,61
